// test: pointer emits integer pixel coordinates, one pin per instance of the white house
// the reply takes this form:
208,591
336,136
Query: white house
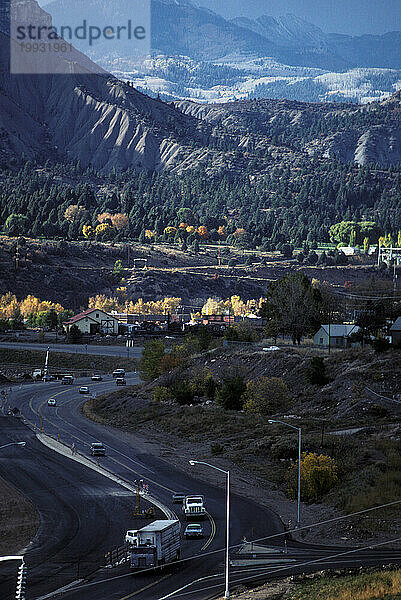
338,334
395,332
93,321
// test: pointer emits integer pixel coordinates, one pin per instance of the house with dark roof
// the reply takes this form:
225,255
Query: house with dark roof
395,332
92,321
337,335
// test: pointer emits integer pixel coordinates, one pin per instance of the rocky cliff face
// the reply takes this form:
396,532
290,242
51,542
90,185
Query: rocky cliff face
81,115
92,118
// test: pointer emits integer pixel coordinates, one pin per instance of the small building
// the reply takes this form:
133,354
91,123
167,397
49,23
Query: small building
349,250
92,321
395,332
339,335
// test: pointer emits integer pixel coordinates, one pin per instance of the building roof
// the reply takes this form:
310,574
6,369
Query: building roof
85,314
397,325
340,330
160,525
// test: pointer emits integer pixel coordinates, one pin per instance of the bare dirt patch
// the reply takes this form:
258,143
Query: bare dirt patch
19,520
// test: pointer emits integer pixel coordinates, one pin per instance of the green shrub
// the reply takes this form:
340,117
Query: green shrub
182,392
266,396
150,365
216,449
316,371
160,394
230,393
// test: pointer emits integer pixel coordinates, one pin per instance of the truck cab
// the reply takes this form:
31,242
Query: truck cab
194,507
154,544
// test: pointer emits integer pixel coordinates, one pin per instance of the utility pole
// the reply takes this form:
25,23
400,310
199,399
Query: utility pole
17,256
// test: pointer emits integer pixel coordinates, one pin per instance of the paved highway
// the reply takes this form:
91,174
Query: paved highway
81,513
121,351
130,459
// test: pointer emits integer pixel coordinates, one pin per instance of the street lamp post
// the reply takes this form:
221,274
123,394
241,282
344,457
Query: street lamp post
299,463
13,444
227,473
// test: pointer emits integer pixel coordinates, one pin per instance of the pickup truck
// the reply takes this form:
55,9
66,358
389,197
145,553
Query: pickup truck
193,507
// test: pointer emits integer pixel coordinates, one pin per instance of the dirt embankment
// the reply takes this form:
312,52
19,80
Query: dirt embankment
19,520
340,419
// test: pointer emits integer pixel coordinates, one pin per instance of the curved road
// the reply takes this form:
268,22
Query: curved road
106,518
130,462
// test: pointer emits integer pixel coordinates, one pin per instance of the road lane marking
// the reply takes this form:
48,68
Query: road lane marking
145,588
60,428
212,533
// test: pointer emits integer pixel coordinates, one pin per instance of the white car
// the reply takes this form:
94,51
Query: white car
51,402
271,349
84,389
97,378
119,373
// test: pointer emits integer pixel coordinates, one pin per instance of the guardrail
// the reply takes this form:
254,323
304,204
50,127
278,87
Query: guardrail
116,556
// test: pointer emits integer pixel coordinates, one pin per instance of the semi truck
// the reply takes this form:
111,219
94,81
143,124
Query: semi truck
193,507
154,545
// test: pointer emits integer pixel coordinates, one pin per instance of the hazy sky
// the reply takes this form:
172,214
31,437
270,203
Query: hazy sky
354,17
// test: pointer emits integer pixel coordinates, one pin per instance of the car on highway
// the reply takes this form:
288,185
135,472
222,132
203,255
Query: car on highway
121,381
67,380
119,373
51,402
178,497
48,378
96,378
84,389
193,530
97,449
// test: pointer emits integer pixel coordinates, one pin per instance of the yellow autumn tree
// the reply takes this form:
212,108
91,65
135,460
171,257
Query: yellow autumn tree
266,396
203,232
104,231
211,307
104,217
87,231
120,221
319,474
170,231
74,213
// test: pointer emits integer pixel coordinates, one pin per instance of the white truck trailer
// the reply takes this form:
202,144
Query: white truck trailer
154,545
193,507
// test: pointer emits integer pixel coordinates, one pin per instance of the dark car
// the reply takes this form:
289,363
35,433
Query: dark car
97,449
179,497
121,381
97,378
193,530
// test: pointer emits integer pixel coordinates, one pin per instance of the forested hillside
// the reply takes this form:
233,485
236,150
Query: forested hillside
293,203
